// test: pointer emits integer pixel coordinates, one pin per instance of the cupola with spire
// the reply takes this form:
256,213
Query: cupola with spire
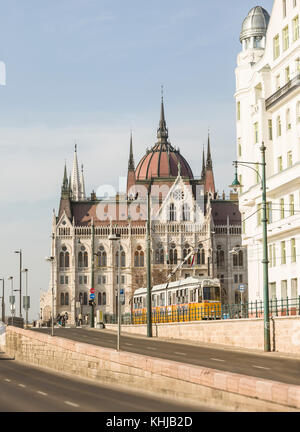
162,160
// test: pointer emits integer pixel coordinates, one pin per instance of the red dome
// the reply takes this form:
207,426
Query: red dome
162,161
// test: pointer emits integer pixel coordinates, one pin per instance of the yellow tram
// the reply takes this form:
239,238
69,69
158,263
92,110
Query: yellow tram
191,299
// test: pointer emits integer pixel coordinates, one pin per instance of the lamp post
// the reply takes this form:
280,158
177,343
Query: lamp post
12,305
20,290
114,238
149,285
51,260
3,303
235,185
26,296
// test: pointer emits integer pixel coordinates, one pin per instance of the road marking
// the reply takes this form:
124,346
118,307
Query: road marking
72,404
22,385
42,393
218,360
128,344
180,353
7,380
153,349
261,367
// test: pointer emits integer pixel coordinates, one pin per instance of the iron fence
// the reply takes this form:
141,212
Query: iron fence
277,308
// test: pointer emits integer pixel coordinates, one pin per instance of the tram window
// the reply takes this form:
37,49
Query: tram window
169,298
206,293
144,302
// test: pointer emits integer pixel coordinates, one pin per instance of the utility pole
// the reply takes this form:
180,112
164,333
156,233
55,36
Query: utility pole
3,303
149,285
265,261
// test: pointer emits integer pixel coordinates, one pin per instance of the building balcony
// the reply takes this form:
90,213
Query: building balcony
283,92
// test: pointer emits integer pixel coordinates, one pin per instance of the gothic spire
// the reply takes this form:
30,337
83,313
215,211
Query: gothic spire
203,165
209,159
162,131
82,186
75,182
131,159
65,185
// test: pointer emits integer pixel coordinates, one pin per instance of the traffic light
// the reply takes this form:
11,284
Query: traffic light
92,303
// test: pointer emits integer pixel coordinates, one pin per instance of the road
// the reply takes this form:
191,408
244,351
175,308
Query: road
285,369
28,389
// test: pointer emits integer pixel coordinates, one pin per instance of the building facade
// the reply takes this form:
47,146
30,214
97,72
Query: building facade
268,111
181,214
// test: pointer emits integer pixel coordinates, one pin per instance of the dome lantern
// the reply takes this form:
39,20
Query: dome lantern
254,29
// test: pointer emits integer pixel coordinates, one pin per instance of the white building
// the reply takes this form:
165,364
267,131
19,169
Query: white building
268,110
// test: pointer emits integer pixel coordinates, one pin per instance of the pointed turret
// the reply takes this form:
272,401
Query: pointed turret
65,185
82,186
75,182
162,131
209,159
65,203
203,165
131,169
209,175
131,159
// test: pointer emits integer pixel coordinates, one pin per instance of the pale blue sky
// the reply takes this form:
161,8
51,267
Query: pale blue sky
91,70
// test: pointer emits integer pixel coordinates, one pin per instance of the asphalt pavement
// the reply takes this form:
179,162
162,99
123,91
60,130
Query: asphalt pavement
277,368
25,388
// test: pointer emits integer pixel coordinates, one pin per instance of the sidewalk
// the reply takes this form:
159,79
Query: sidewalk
220,347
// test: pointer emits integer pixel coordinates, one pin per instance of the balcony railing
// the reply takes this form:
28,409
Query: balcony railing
282,92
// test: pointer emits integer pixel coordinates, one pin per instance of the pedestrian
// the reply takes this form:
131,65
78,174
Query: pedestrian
80,319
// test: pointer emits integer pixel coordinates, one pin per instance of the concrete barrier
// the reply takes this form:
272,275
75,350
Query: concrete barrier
243,333
178,381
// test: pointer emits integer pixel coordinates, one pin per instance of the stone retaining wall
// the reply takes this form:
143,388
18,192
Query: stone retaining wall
243,333
167,378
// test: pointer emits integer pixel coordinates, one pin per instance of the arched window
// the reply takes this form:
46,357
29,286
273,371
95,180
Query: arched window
186,252
80,298
67,299
220,257
172,213
84,299
173,258
102,257
288,120
186,214
139,260
99,298
241,258
62,299
104,299
201,255
123,258
80,259
278,126
86,259
64,258
298,112
159,255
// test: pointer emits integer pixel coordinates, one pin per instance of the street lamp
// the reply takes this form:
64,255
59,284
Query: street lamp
51,260
20,290
235,185
3,303
12,303
26,303
114,238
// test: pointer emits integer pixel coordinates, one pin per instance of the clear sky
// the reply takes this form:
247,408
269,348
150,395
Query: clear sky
90,71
